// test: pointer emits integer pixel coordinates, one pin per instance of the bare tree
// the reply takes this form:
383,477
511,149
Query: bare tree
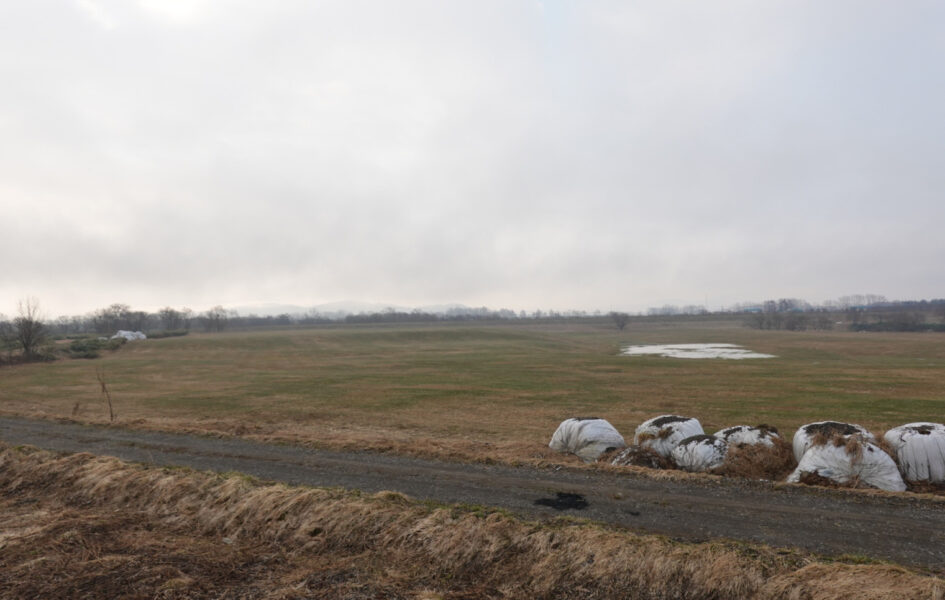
109,320
27,330
175,319
620,319
215,318
170,318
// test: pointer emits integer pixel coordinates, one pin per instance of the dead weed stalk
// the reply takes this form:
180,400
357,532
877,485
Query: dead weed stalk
100,375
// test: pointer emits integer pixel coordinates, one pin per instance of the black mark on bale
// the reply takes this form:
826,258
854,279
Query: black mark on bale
667,420
831,428
698,439
564,501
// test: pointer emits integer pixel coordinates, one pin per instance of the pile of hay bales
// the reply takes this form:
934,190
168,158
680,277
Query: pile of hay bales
826,452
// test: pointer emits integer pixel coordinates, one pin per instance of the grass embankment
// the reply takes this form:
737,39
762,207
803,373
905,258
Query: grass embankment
84,526
486,391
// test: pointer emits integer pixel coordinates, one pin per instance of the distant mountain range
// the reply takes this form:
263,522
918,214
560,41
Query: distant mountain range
341,308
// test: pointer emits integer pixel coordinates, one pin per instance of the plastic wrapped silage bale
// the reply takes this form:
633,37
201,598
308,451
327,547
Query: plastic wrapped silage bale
587,437
920,450
662,434
822,431
131,336
748,435
699,453
852,460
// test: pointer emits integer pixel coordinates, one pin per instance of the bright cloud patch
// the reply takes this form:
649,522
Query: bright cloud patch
730,351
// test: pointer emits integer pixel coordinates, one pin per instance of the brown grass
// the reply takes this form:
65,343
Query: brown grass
758,461
926,487
469,383
82,526
819,480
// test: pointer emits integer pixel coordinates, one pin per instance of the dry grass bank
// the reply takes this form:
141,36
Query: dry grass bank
82,526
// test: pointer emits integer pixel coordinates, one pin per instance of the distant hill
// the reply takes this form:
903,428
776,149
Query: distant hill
268,309
338,309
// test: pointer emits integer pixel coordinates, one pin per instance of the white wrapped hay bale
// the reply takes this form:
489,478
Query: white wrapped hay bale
748,435
661,434
699,453
824,431
130,335
853,460
920,449
587,437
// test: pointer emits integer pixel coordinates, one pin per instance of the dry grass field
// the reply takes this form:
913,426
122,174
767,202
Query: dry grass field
485,391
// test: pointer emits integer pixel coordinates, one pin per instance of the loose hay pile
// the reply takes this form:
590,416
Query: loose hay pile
641,457
758,461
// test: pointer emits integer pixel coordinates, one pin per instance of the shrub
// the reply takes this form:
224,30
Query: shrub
115,343
166,333
85,348
91,347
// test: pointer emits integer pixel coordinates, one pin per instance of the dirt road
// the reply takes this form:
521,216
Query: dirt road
906,530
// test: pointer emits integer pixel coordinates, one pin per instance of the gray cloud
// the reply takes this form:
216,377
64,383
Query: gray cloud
521,154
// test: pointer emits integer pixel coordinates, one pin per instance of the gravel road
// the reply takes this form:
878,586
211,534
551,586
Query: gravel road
905,530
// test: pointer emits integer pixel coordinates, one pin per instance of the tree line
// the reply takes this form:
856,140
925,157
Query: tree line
27,335
857,313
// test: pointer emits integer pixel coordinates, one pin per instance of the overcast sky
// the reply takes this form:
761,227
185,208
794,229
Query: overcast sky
520,154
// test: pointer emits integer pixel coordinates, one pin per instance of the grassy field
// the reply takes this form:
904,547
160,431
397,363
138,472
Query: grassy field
481,389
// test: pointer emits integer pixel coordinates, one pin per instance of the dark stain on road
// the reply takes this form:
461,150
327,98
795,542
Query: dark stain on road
564,501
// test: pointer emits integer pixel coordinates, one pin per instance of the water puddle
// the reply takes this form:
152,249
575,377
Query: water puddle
727,351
